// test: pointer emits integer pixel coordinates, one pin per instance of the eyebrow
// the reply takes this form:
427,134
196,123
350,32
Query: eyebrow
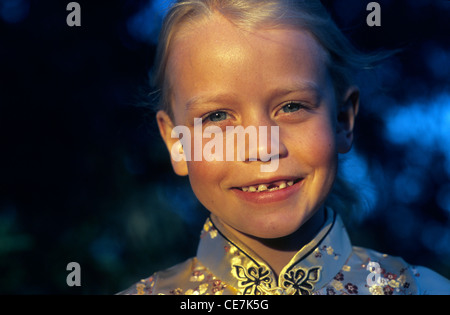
216,98
296,86
227,98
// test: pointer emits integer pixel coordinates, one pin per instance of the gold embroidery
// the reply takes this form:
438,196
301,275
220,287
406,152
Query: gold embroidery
301,281
337,285
376,290
330,250
197,276
202,288
191,292
145,286
257,281
209,228
140,288
177,291
254,280
217,287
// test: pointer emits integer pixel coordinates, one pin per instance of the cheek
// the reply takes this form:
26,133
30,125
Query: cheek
199,172
205,178
322,149
317,144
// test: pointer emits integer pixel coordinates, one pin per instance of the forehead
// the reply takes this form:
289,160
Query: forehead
214,54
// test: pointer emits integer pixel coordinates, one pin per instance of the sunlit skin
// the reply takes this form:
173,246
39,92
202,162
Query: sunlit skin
278,77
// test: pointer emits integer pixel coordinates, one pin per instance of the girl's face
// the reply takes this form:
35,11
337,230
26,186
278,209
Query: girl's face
231,77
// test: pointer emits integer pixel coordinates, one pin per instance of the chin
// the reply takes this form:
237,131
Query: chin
275,229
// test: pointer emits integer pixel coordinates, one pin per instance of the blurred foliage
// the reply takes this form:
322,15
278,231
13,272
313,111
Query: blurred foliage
85,177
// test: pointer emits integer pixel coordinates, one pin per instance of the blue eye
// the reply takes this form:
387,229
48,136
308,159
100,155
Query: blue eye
291,107
217,116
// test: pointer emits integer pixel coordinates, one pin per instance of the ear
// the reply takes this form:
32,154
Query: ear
166,126
346,115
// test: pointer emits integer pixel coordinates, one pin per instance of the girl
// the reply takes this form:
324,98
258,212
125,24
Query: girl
270,63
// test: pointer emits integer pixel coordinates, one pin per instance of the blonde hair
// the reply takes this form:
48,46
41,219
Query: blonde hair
310,15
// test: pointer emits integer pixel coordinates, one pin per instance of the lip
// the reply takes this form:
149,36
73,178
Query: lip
270,181
269,196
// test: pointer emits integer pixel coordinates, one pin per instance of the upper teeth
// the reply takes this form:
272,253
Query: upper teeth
263,187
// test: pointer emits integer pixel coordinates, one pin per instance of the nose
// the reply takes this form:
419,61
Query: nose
261,141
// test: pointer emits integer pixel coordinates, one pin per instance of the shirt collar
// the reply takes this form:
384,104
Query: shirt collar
312,267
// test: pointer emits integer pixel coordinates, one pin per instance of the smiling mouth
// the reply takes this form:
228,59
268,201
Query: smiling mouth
274,186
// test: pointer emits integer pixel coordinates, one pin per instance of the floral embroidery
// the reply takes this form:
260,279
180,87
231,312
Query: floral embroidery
318,252
207,283
177,291
394,284
254,280
208,228
218,287
337,285
203,276
301,281
351,288
202,288
388,290
330,250
330,291
376,290
339,277
390,276
140,288
389,283
197,276
346,268
145,286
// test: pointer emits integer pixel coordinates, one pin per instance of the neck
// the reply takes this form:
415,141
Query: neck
278,252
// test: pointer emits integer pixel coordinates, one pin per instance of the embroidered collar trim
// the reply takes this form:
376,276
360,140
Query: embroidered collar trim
316,264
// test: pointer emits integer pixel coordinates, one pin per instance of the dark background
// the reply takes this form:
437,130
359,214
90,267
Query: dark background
84,176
